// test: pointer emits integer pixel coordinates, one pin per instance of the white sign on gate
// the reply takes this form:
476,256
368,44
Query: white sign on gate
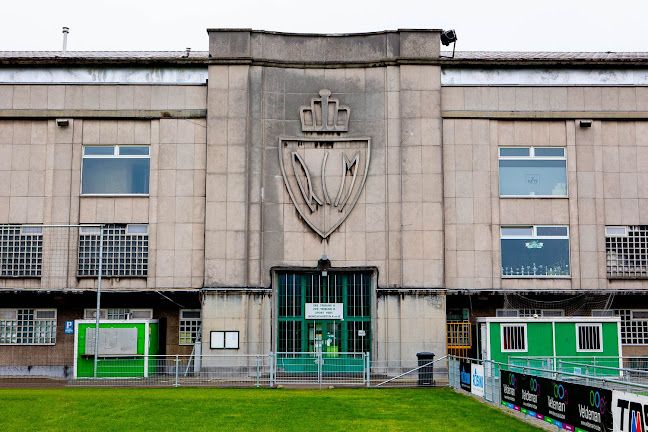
324,311
477,379
628,411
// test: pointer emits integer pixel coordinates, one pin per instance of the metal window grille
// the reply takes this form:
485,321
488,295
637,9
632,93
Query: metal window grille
21,251
190,326
633,331
514,338
125,252
627,255
589,337
28,326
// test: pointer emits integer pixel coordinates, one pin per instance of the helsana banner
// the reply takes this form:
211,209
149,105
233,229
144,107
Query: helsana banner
573,407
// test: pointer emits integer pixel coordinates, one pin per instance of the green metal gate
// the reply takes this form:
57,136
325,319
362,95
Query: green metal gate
298,337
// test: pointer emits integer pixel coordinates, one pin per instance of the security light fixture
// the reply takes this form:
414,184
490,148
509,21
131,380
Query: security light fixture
585,123
449,37
62,122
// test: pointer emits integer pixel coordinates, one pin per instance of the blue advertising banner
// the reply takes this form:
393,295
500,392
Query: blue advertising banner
464,376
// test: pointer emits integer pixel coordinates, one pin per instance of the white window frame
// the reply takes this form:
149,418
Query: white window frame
600,334
609,234
526,336
506,313
532,156
13,312
534,236
89,313
115,155
632,315
190,322
603,312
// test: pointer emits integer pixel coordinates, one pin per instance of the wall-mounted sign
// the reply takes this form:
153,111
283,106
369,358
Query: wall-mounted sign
69,327
224,339
324,311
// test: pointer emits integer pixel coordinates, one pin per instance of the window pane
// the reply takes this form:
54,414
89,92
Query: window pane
531,257
549,151
517,151
128,151
115,176
552,231
533,177
137,229
517,231
99,150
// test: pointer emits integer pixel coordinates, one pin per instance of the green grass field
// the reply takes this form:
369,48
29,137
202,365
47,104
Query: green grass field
249,410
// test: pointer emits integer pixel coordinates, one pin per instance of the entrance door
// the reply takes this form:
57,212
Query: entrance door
325,337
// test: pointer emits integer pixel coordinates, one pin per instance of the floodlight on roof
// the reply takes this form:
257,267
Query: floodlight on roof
448,37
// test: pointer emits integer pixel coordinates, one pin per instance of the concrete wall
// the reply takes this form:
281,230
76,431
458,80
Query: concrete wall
40,177
606,172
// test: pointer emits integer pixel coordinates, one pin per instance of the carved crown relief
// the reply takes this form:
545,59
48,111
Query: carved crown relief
325,114
324,174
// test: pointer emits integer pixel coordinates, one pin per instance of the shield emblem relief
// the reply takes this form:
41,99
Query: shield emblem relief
324,177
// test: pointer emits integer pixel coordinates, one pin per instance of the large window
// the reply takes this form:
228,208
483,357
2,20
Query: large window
115,170
125,251
27,326
21,251
190,326
626,250
535,251
532,172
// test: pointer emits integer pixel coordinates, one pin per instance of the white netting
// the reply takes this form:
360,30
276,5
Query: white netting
580,304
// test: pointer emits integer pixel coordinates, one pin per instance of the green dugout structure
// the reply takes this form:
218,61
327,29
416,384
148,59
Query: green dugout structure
127,348
537,341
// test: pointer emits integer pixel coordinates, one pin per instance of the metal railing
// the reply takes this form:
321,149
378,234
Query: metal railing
256,370
179,371
430,374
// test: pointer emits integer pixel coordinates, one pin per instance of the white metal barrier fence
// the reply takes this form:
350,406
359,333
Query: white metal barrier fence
257,370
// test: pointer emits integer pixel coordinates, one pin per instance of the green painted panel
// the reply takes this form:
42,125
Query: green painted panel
539,341
116,367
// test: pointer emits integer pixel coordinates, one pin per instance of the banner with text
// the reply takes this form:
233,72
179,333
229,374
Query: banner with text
630,412
573,407
477,379
464,376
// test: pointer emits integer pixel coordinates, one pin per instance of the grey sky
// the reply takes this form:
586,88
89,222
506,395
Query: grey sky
488,25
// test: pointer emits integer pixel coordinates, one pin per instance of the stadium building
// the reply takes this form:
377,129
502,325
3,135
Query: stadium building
303,192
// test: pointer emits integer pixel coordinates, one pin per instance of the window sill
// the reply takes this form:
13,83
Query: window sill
110,277
114,195
534,277
534,196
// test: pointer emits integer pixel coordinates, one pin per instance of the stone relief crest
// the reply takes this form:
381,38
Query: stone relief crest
324,172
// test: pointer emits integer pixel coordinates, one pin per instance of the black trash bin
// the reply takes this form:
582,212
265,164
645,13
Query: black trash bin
425,373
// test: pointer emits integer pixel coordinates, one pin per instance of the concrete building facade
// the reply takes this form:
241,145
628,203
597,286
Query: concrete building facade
344,193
